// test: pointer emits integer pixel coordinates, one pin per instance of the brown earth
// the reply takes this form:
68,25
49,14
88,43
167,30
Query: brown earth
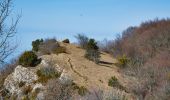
87,73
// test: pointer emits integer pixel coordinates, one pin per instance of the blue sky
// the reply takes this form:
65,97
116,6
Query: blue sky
98,19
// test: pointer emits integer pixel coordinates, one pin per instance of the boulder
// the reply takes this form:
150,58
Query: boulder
11,85
22,74
65,78
44,63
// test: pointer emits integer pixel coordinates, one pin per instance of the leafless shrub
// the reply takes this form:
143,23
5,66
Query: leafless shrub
106,46
141,43
48,46
151,79
57,91
147,48
114,94
82,40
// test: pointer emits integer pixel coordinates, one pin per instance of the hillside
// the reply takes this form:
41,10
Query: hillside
73,66
145,54
85,72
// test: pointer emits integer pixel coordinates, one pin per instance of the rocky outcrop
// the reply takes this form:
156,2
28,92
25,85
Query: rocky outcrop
20,76
26,78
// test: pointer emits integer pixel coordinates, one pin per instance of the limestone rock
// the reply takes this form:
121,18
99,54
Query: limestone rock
11,85
44,63
65,78
22,74
38,86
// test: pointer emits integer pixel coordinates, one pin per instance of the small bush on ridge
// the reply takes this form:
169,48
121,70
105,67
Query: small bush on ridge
48,46
36,43
66,41
29,59
92,52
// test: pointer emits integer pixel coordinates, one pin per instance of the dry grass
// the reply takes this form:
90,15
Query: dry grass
27,89
59,50
47,73
57,91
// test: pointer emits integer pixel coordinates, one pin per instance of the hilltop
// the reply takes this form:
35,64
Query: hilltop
74,67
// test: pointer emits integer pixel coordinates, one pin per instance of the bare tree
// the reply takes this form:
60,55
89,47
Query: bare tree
6,31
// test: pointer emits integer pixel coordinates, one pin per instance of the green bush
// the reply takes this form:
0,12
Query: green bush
59,50
66,41
113,82
29,59
92,44
92,52
36,43
47,73
123,60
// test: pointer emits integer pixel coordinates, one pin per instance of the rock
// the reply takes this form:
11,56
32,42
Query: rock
11,85
44,63
38,86
58,68
17,81
40,96
22,74
40,92
65,78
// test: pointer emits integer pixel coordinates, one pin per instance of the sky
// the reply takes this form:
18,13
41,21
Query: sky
97,19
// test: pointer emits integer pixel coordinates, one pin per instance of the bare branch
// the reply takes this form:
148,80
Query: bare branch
6,33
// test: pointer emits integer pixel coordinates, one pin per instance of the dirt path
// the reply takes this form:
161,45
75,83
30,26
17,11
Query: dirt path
72,67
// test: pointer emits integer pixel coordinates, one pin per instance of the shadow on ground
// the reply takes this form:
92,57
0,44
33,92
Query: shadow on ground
106,64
